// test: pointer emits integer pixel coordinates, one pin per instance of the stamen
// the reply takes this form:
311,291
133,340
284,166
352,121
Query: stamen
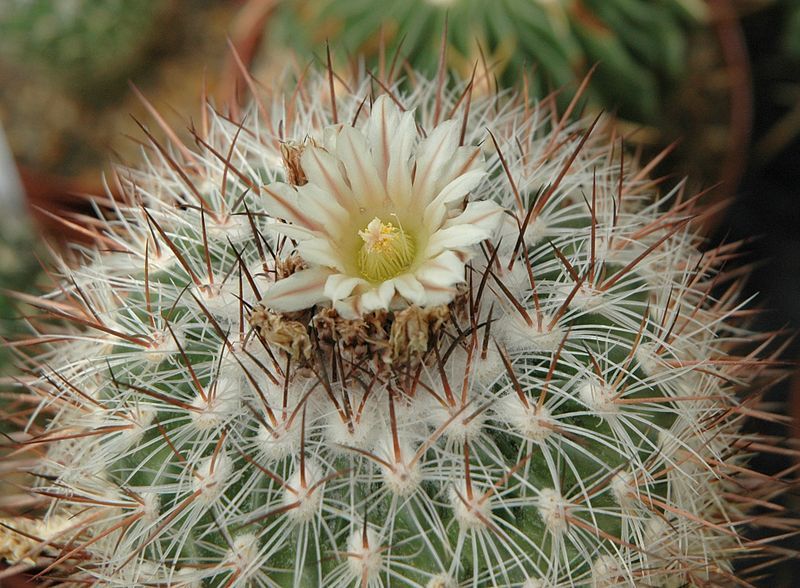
387,251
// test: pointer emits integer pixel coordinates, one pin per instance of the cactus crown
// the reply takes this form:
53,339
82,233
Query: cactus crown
547,398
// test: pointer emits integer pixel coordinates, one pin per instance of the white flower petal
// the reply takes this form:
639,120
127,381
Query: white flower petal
329,136
349,308
398,177
464,160
378,297
439,276
295,232
300,290
455,237
381,127
438,295
459,187
484,214
433,155
322,168
409,288
320,251
318,204
443,271
281,201
340,286
436,211
353,151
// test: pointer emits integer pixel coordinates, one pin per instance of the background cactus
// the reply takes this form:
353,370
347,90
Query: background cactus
642,46
63,64
570,414
79,42
67,104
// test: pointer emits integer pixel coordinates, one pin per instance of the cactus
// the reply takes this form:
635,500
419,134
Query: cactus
642,46
82,43
373,334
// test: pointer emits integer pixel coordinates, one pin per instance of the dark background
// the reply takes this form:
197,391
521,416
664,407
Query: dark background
766,213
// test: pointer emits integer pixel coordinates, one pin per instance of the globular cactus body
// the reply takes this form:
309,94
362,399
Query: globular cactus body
404,339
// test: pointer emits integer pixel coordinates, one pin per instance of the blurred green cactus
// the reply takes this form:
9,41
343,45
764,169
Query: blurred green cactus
65,102
78,41
641,46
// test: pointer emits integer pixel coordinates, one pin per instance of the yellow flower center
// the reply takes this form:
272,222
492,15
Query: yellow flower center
387,251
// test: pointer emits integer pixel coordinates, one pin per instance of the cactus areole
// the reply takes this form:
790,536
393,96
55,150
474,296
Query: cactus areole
369,336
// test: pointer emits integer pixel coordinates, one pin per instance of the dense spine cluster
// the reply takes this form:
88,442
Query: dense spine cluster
570,416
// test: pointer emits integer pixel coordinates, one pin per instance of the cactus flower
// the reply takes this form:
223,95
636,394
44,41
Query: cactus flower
382,218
